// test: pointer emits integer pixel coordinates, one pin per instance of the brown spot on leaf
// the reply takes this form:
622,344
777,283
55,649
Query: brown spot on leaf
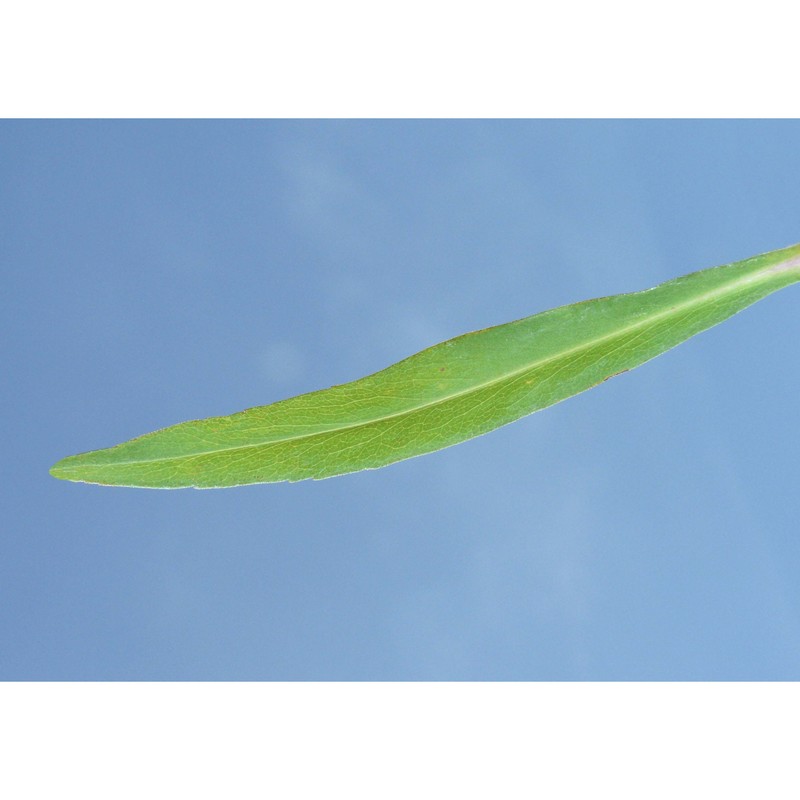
610,377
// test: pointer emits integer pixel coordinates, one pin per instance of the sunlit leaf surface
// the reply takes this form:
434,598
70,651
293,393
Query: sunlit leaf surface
453,391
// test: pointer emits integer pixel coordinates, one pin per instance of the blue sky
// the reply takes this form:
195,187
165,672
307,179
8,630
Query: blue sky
155,272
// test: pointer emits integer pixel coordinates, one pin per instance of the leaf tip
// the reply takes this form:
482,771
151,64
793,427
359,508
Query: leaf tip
62,470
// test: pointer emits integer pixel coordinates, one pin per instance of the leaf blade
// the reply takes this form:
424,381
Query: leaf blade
451,392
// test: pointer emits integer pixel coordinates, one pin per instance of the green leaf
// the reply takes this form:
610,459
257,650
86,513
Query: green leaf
461,388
